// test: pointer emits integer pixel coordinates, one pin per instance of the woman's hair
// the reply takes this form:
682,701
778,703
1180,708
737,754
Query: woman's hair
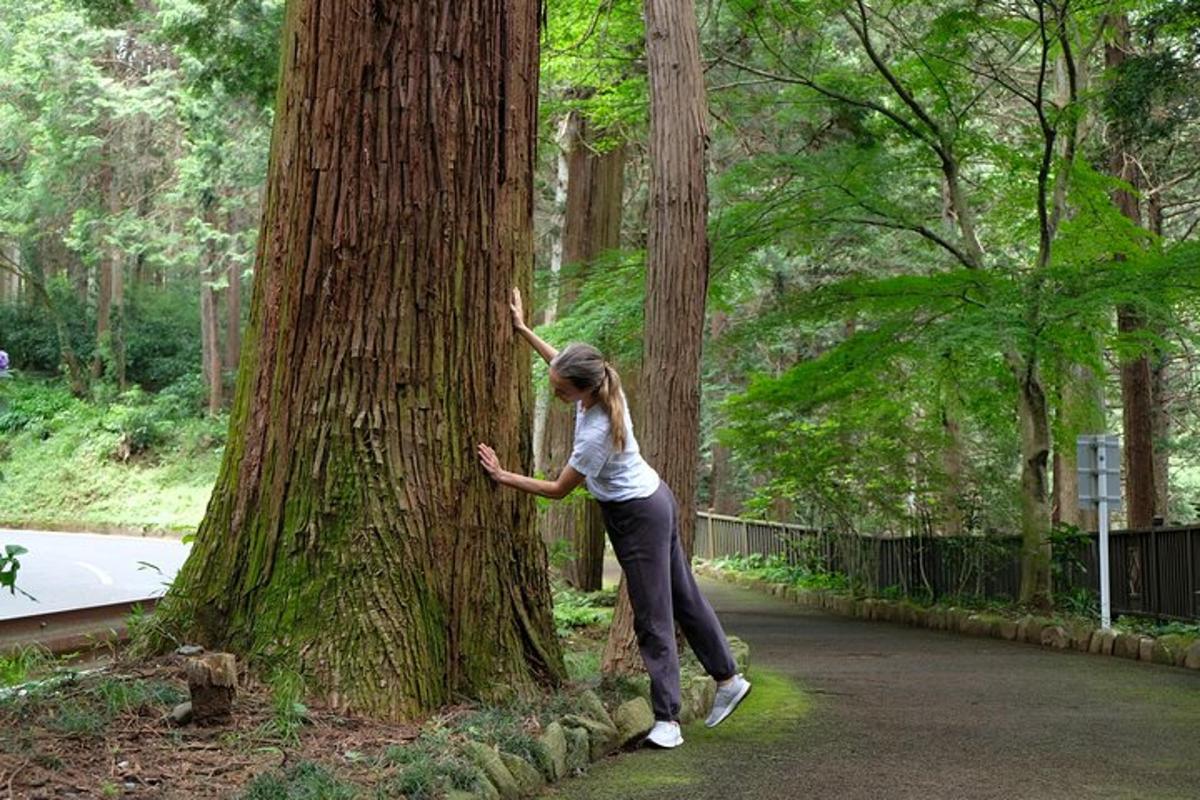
585,367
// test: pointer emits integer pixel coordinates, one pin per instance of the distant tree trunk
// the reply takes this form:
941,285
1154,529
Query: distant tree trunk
1080,410
104,287
722,496
1160,393
210,342
591,225
351,532
1137,412
117,321
210,351
676,277
233,314
953,517
1034,422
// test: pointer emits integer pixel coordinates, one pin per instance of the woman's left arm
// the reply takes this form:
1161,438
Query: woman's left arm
557,489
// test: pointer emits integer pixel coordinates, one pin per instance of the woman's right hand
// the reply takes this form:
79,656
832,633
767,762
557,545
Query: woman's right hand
518,309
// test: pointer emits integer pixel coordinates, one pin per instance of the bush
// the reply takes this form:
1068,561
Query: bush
162,336
30,336
32,404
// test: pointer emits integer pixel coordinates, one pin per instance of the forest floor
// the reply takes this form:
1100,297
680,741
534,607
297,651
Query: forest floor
103,730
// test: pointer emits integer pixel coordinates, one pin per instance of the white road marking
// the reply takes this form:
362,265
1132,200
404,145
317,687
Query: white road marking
103,576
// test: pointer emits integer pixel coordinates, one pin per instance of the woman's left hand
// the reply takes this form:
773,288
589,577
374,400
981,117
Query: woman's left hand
487,457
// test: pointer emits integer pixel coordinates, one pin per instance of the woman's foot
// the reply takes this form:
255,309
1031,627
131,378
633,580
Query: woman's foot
729,694
665,735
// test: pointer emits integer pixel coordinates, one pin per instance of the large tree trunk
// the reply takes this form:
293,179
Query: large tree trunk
351,532
676,277
1137,414
591,225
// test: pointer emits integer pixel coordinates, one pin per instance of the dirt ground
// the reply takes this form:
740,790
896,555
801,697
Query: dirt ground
97,739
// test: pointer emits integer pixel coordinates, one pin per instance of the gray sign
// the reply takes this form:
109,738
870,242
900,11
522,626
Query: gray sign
1098,461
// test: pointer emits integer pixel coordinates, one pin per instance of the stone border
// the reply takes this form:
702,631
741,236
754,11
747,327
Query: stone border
1042,631
570,744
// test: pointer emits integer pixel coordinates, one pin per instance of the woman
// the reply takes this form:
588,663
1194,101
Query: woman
641,517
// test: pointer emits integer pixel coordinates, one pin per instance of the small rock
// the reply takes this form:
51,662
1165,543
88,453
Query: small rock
528,779
1192,659
1007,629
493,768
1029,629
976,625
181,714
189,650
1055,636
591,706
1161,653
554,740
579,749
602,739
1145,649
634,719
1127,645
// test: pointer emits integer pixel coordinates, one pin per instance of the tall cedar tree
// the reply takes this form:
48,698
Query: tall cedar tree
676,276
351,535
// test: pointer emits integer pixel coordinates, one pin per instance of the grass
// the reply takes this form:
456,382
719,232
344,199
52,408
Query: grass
23,664
304,781
425,768
60,462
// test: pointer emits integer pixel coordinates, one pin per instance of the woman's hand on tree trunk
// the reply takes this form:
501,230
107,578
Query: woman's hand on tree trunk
518,309
491,464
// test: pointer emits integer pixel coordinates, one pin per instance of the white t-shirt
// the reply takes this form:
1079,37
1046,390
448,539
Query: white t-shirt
611,476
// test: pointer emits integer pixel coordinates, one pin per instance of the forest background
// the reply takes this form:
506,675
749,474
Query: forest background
945,239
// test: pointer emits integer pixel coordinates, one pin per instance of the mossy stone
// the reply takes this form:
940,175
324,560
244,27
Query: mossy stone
554,740
493,768
634,719
579,748
528,779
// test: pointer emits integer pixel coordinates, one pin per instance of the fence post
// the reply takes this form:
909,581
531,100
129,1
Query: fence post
712,544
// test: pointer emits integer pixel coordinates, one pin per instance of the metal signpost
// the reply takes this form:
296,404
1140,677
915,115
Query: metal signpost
1098,461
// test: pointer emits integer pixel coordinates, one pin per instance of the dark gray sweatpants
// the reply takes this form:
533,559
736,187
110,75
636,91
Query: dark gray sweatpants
662,591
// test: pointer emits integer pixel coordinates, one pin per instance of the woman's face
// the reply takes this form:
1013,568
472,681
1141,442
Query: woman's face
565,390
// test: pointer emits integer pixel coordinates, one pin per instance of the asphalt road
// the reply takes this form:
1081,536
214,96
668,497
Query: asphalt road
77,570
896,712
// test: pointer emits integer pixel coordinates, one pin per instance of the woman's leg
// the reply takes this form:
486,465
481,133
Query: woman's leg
640,531
695,616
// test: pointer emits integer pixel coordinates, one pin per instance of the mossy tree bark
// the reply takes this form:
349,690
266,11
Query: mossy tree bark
676,277
351,532
591,226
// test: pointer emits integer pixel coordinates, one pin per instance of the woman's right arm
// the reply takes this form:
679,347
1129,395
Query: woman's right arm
536,342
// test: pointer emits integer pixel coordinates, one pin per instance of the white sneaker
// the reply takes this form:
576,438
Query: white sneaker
665,735
727,699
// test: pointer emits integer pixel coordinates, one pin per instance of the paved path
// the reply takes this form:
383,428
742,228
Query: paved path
885,711
77,570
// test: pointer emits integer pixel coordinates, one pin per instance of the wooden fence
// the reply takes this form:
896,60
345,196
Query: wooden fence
1155,573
